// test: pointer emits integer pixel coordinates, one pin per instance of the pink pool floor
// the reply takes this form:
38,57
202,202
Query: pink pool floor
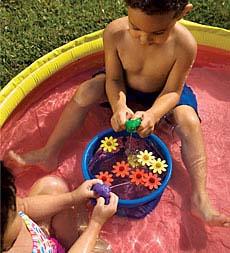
169,228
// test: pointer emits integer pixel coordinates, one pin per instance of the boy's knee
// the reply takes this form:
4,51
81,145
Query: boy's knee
51,185
90,91
188,124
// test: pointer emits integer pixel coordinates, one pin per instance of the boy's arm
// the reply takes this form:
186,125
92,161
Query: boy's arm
170,95
115,85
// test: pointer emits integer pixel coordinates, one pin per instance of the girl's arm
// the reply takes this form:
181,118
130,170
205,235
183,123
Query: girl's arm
39,207
101,213
86,242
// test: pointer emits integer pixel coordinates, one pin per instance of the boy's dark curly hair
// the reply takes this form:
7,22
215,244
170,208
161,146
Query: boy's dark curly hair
8,197
151,7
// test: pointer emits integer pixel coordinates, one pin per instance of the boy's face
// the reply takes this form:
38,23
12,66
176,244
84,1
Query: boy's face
150,29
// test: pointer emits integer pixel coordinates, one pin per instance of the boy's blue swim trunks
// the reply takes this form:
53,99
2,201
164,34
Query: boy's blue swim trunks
147,99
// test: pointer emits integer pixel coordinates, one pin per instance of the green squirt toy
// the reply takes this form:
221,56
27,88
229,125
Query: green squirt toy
131,125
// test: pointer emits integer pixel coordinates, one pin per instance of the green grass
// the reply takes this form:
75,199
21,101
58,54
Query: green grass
32,28
211,12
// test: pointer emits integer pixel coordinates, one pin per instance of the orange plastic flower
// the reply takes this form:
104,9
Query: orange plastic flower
137,176
121,169
152,181
105,177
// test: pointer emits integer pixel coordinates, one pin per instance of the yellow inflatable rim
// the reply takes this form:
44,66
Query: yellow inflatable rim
31,77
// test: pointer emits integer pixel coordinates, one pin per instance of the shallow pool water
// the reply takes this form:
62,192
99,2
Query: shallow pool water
170,227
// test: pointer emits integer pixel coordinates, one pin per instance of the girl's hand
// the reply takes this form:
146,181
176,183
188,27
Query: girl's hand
84,191
101,212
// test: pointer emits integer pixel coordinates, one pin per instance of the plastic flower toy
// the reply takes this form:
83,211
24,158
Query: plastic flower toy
109,144
133,161
137,176
145,158
152,181
158,166
121,169
105,177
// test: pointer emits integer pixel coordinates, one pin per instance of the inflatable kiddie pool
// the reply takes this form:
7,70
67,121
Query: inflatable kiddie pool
32,102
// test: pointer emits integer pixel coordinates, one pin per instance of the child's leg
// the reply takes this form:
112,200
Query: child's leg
71,118
64,224
50,185
193,154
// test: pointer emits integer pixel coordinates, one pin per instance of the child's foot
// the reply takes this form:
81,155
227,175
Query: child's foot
102,246
38,158
201,208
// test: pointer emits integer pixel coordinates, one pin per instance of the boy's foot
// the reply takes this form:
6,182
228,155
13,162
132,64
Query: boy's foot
38,158
201,208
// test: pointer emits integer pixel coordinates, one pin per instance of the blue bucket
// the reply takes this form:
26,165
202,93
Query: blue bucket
139,207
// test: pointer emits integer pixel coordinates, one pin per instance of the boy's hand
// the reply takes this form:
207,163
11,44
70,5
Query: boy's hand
101,212
84,191
147,124
120,116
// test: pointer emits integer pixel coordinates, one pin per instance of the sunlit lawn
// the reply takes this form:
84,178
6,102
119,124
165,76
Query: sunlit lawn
32,28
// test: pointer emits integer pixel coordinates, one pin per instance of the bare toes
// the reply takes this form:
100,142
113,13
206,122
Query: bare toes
219,220
14,156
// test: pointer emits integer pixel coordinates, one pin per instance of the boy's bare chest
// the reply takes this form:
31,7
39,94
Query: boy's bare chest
151,62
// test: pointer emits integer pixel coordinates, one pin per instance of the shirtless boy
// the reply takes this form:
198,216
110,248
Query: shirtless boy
148,56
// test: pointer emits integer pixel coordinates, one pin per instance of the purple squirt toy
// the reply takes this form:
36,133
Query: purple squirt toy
103,191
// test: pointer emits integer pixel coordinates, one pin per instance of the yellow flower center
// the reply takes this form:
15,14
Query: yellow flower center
109,143
146,157
158,165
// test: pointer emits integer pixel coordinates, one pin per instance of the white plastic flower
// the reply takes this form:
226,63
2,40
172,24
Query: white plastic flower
158,166
145,158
